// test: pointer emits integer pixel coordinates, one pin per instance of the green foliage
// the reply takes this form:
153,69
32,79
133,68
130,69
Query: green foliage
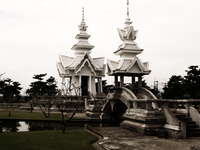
28,116
74,139
184,87
51,86
18,115
42,87
10,90
175,87
192,81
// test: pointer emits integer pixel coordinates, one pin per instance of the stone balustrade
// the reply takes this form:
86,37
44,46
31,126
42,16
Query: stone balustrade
170,114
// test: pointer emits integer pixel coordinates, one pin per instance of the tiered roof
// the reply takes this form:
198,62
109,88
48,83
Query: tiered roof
128,51
68,66
83,46
127,66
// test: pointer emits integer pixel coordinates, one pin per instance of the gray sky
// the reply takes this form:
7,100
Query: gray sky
34,32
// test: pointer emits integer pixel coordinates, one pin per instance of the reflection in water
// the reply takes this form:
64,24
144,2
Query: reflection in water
9,126
23,126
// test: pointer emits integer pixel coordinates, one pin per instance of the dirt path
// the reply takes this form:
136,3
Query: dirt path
121,139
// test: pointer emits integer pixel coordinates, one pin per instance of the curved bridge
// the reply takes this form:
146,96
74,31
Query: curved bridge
121,101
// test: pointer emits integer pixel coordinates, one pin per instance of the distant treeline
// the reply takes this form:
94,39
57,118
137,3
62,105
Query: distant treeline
10,90
184,87
178,87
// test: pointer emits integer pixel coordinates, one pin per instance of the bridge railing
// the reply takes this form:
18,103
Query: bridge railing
174,104
173,110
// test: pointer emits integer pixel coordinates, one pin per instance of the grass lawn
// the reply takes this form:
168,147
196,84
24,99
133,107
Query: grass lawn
75,139
28,115
36,116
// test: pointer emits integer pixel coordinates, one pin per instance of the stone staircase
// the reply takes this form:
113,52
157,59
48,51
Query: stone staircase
192,129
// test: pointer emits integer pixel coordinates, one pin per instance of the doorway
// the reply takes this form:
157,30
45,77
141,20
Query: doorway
84,85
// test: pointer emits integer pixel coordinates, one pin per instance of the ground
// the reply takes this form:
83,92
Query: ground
75,139
20,115
116,138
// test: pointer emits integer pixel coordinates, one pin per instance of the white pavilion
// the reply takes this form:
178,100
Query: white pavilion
129,64
81,75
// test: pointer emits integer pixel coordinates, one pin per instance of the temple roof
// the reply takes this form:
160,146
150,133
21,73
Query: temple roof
129,63
99,62
66,60
68,66
60,69
74,64
127,66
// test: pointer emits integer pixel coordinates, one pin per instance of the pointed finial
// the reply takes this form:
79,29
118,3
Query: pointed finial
127,8
83,15
83,26
128,20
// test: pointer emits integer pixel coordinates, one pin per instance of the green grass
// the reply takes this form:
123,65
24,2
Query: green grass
28,115
75,139
20,115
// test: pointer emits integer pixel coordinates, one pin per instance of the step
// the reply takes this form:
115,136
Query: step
193,130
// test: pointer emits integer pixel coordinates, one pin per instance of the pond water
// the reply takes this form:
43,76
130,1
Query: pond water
24,126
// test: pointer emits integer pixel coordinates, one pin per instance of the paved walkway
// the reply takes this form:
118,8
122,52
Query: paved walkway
116,138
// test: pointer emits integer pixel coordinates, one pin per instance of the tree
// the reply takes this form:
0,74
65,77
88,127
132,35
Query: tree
174,88
65,115
38,87
192,81
10,90
184,87
42,87
51,86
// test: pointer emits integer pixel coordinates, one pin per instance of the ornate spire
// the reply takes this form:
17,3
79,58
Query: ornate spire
128,20
128,36
83,26
83,46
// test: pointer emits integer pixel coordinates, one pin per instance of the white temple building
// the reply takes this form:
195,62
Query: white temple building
129,64
82,74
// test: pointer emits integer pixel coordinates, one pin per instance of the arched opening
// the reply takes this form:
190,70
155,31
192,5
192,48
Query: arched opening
115,109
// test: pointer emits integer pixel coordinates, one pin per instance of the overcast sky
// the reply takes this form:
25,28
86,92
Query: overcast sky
33,33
